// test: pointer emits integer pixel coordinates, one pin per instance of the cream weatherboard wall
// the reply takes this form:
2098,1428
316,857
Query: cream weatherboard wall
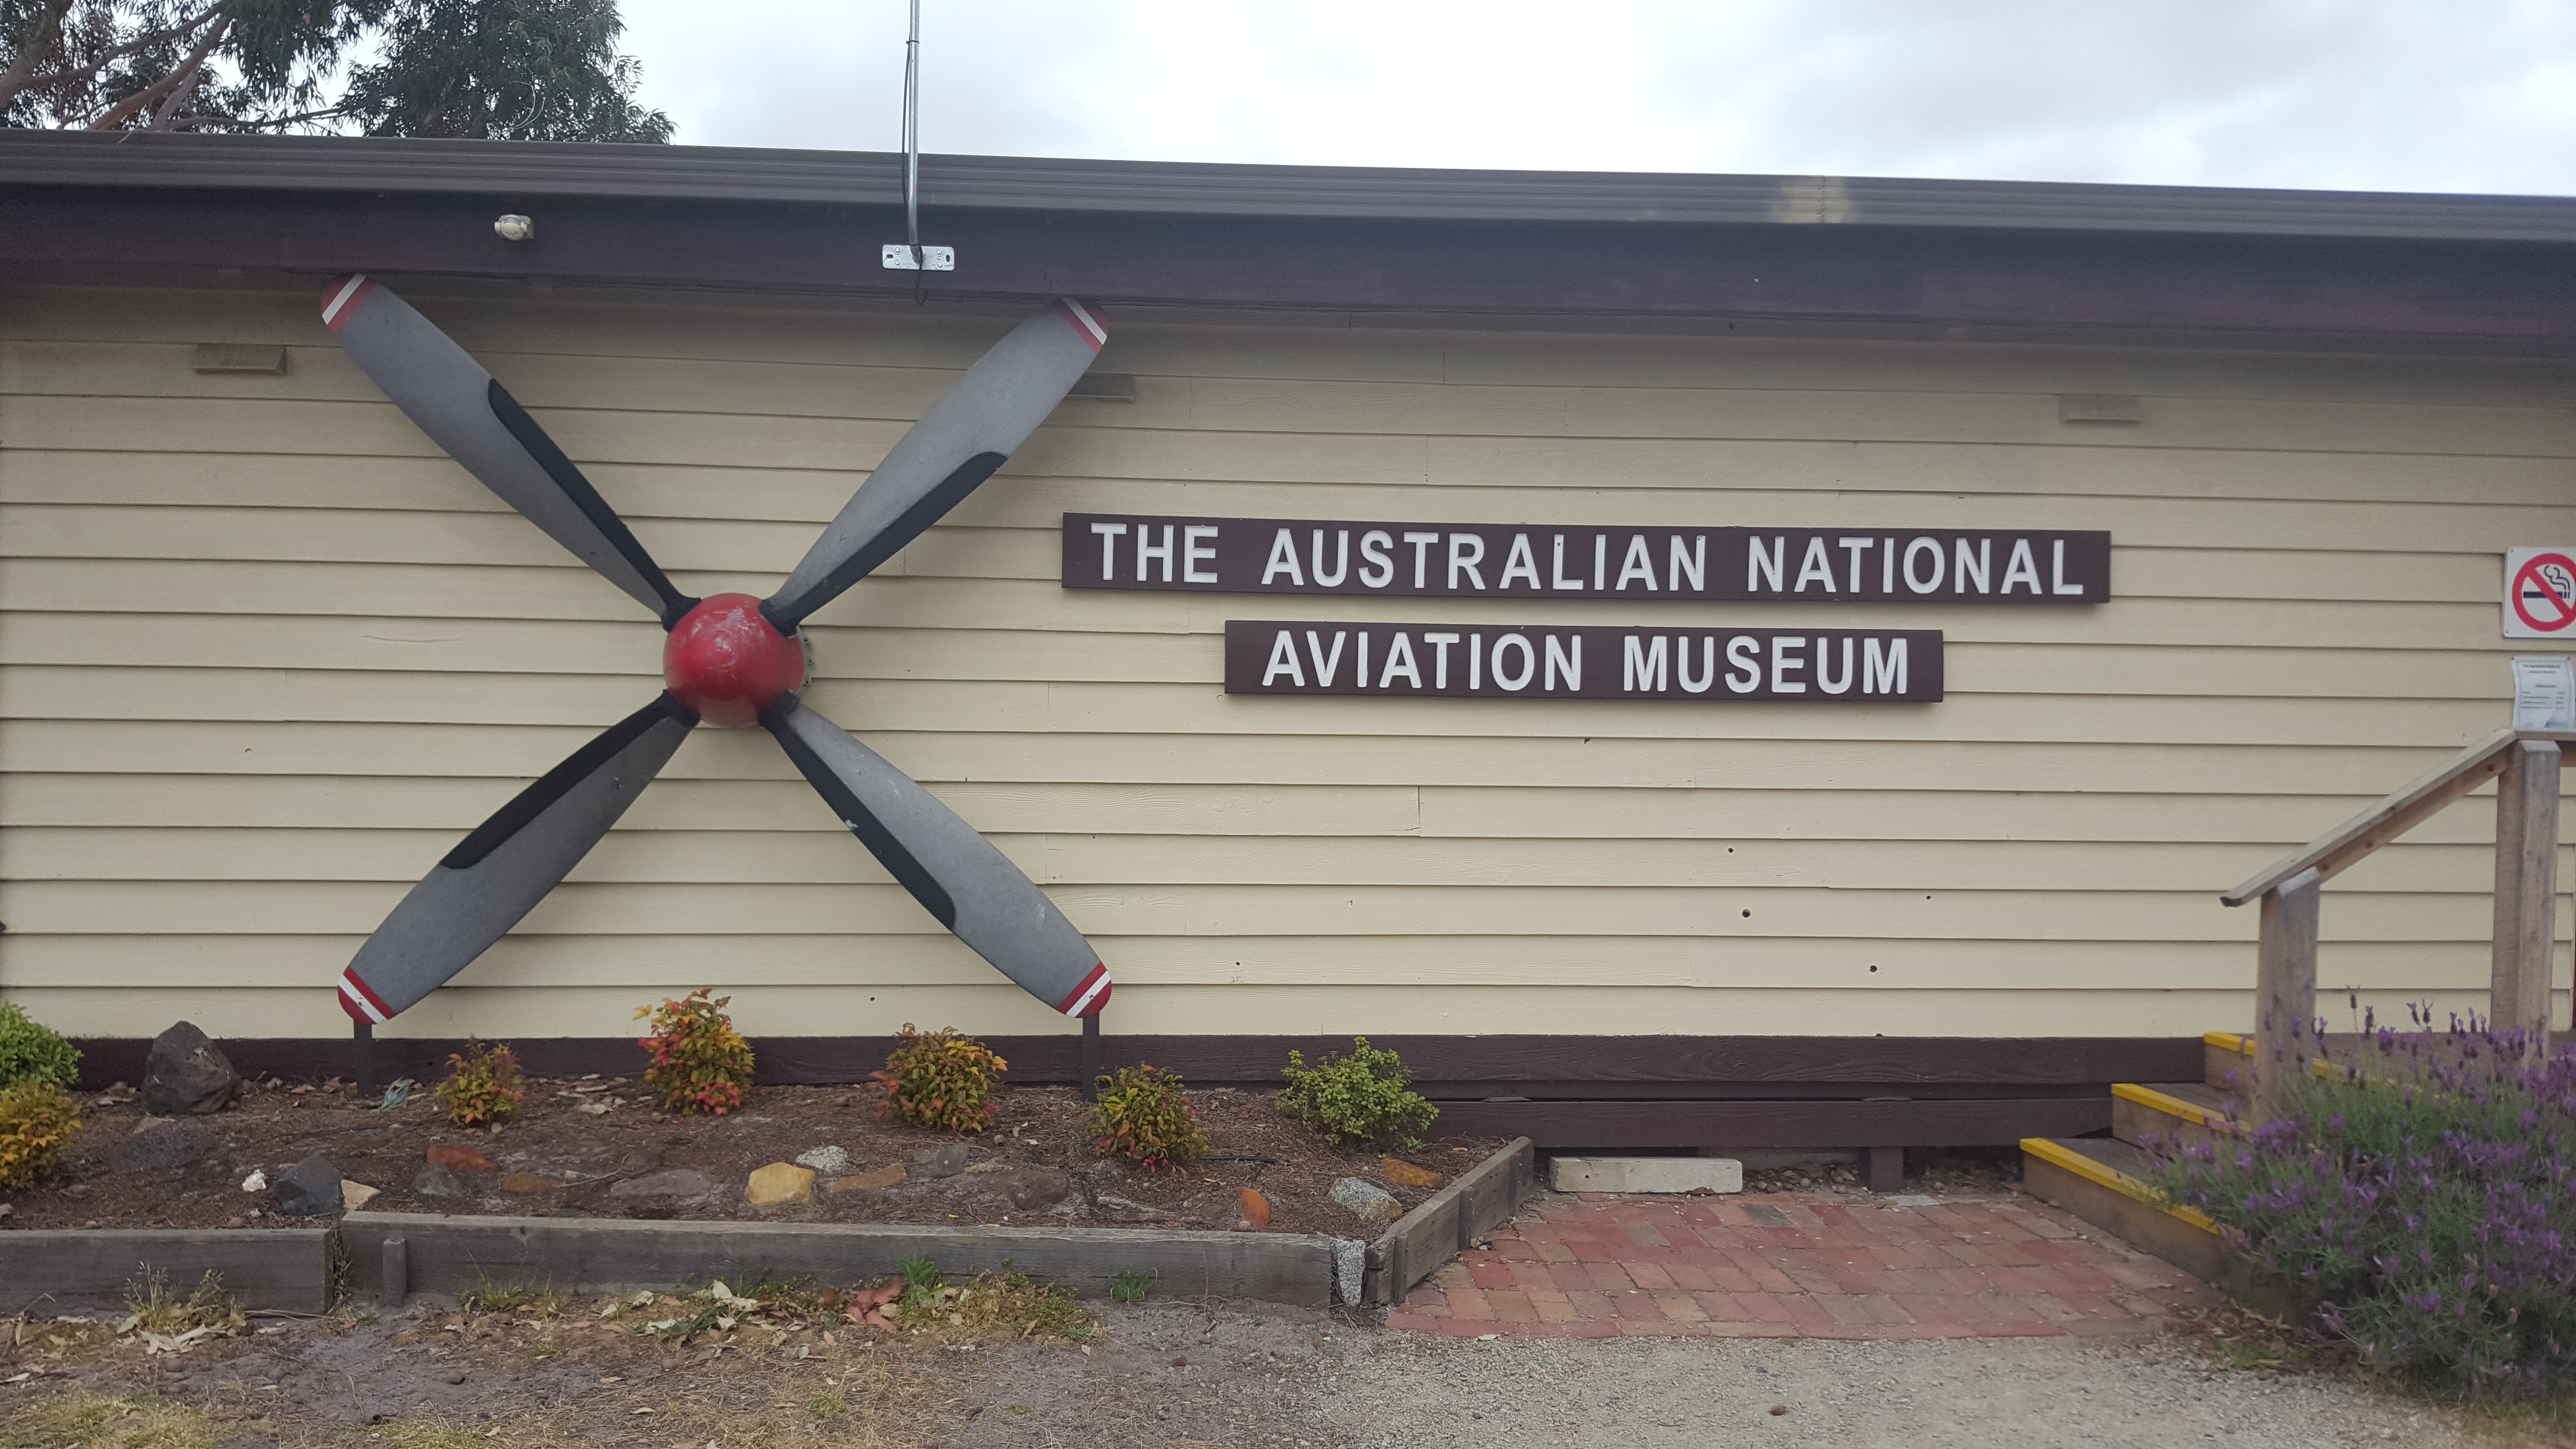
265,655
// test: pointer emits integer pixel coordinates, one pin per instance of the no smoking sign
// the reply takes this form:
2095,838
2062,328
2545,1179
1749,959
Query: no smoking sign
2540,593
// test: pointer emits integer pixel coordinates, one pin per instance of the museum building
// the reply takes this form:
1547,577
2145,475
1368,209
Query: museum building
1691,660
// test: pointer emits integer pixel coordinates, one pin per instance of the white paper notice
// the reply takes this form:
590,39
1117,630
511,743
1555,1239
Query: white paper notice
2544,692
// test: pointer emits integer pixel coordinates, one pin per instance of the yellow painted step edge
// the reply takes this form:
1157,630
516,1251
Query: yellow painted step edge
2171,1106
2228,1041
2114,1179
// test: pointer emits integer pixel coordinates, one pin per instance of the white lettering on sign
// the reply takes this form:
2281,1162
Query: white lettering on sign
1307,556
1550,662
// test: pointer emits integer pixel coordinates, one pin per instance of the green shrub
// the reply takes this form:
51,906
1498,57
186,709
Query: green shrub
31,1051
941,1080
37,1123
1363,1097
1144,1116
483,1085
700,1063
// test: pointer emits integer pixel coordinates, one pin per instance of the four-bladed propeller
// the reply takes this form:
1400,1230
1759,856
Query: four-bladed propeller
731,660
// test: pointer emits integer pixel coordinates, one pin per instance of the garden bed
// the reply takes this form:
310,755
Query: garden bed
590,1148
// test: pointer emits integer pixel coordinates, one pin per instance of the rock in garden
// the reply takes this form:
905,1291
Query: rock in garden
460,1158
355,1195
528,1182
947,1161
1119,1209
882,1177
1405,1174
438,1180
1367,1199
157,1147
779,1184
310,1189
677,1182
1255,1208
1034,1187
825,1159
187,1074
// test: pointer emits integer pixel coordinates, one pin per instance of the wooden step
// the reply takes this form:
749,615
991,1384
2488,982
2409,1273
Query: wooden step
2102,1181
2189,1113
2227,1062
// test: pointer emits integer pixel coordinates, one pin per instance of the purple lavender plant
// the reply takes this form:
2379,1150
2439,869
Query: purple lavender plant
2428,1195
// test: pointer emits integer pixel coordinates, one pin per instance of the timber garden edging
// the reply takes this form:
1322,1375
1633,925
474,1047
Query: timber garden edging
391,1255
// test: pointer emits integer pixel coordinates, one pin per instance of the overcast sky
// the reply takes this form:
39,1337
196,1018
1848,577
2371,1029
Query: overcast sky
2415,95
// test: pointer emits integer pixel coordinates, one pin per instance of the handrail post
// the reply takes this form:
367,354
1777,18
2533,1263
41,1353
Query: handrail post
2285,991
2526,892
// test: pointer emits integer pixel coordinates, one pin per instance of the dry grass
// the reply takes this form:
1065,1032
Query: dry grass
875,1400
105,1421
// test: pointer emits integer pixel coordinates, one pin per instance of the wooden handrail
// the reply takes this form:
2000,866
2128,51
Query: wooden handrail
2344,846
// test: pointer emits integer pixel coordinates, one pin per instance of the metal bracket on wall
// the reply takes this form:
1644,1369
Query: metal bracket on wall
898,258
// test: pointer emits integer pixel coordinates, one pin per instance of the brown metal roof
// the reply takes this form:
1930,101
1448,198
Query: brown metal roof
1005,183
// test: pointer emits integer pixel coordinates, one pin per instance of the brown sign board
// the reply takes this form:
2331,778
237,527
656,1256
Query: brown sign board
1547,661
1585,561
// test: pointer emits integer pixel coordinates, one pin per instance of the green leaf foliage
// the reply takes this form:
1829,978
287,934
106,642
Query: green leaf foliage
31,1051
483,1086
501,70
700,1063
37,1124
1365,1096
941,1081
1144,1116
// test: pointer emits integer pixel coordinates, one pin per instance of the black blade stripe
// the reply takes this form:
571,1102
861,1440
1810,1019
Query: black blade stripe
531,802
785,615
902,864
587,499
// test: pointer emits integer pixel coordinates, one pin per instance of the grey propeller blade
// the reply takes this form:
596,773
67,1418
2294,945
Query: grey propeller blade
470,415
956,874
496,875
972,430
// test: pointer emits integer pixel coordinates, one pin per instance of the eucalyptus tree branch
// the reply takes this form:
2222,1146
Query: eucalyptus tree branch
115,115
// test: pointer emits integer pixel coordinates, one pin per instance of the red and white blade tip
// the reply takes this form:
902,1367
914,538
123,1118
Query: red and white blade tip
1085,320
1087,998
342,297
361,1003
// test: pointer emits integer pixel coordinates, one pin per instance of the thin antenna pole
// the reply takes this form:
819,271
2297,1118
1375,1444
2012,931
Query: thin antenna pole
912,138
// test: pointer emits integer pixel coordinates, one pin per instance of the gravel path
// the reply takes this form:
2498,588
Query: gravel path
1407,1389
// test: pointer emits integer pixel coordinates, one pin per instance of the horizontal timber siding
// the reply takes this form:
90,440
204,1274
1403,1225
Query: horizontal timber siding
264,655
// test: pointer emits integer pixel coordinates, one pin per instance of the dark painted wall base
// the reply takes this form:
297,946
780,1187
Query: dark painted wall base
1559,1091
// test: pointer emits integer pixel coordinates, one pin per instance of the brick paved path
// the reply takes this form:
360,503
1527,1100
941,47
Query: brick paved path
1797,1265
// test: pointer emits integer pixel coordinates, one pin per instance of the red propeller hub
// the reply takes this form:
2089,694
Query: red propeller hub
728,663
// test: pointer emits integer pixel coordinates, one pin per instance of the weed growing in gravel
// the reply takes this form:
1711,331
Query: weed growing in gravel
941,1081
484,1085
166,1322
515,1299
1363,1097
2428,1195
1130,1286
1143,1115
37,1124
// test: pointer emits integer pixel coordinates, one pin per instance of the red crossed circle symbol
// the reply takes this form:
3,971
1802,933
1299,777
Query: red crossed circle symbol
2549,580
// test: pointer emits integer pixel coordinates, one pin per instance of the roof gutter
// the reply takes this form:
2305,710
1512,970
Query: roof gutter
1142,188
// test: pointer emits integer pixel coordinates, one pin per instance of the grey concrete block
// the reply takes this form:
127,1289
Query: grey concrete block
1646,1174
